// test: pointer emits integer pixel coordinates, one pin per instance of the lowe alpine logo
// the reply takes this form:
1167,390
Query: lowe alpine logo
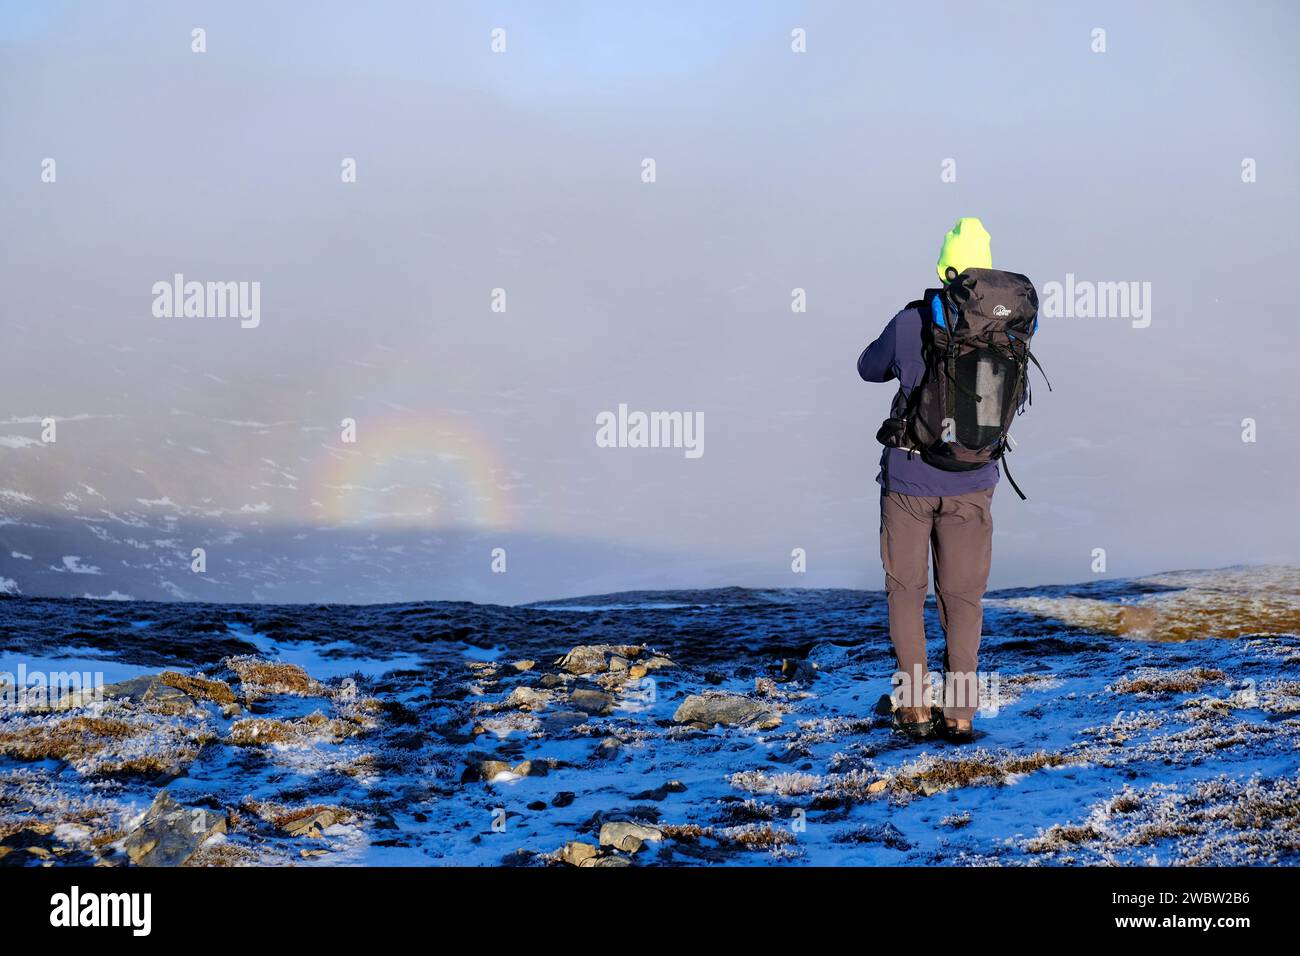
1001,310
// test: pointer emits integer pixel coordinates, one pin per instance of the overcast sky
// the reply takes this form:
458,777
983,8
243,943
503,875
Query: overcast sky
522,170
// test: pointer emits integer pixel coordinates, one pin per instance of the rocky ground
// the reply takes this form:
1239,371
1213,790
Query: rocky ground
1153,720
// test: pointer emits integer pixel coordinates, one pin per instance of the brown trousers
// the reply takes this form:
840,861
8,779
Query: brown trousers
959,530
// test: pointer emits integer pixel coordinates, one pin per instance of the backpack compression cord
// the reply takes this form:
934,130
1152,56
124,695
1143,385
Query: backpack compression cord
976,351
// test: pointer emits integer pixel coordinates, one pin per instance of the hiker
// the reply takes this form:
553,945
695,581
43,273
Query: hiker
960,355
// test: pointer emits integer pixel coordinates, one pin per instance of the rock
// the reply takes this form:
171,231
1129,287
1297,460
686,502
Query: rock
607,749
576,853
37,700
312,824
149,691
169,834
591,701
563,798
1210,703
532,768
562,720
507,723
803,671
486,770
302,821
612,860
628,836
527,698
522,666
661,792
36,839
596,658
732,710
491,769
877,786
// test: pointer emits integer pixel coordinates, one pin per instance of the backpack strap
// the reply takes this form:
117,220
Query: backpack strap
1007,472
1033,359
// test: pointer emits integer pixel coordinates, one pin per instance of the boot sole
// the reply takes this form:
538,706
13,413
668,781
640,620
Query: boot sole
923,730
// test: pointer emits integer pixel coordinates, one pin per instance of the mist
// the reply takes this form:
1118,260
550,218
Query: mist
500,275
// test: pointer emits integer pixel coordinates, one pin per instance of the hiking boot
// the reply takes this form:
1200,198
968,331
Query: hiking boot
916,723
957,731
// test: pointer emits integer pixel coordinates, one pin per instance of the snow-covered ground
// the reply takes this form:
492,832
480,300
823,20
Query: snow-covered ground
1152,720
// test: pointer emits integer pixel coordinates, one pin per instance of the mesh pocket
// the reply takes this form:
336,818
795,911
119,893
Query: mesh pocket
993,378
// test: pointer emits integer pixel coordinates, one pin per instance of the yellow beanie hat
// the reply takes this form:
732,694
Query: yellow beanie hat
966,246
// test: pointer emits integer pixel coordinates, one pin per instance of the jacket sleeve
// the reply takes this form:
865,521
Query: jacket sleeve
876,363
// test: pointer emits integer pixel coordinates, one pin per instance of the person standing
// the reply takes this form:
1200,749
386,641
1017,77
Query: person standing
940,511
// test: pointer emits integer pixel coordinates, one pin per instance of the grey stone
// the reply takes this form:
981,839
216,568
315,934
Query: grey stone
311,826
597,658
169,834
802,671
731,710
489,769
562,720
591,701
661,792
151,691
628,836
527,698
577,853
532,768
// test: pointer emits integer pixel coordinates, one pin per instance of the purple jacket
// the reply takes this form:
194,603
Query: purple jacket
897,355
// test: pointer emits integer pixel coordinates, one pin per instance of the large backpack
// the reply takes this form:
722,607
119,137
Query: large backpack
976,350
